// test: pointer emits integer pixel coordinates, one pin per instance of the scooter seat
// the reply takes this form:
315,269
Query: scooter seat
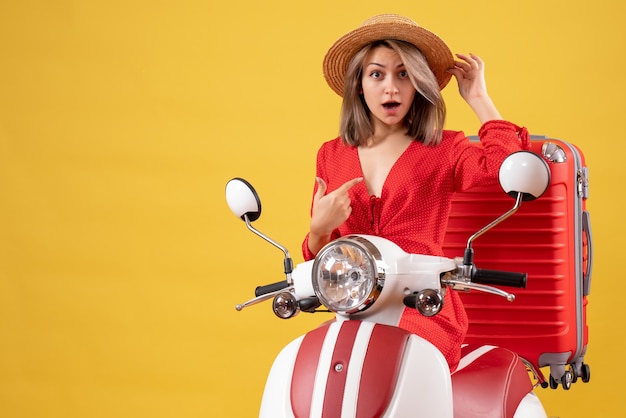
489,382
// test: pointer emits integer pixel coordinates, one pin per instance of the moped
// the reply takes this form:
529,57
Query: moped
362,364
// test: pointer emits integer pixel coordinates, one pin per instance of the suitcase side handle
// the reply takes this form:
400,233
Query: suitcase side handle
586,226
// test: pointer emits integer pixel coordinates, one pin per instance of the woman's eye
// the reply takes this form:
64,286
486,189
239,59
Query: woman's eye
403,74
375,74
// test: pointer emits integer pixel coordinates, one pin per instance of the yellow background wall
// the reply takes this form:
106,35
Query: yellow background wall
120,123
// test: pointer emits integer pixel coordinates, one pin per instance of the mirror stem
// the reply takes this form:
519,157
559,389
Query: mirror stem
288,263
468,257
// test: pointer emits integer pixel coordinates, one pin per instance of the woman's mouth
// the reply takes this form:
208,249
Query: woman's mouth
391,105
391,108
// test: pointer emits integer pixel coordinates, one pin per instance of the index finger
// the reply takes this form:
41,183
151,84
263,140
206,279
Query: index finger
350,184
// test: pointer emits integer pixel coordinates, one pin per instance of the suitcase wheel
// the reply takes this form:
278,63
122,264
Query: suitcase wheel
570,376
566,380
581,370
586,373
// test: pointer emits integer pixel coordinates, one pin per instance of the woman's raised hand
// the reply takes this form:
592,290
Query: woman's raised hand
469,71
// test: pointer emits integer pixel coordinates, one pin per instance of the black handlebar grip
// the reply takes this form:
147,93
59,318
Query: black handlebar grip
263,290
499,278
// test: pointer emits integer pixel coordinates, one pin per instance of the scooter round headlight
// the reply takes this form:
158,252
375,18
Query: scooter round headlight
345,275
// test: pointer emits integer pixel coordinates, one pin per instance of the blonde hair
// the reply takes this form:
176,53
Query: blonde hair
425,119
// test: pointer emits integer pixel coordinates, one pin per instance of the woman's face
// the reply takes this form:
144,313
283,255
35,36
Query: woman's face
387,90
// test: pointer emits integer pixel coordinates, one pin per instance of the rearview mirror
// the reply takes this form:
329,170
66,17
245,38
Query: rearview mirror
243,200
524,172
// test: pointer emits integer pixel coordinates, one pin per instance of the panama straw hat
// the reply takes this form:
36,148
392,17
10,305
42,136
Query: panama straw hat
381,27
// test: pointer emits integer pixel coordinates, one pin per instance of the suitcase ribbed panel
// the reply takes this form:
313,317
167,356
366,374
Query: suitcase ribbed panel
544,239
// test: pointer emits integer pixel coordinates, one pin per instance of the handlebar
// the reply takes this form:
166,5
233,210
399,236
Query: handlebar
263,290
499,278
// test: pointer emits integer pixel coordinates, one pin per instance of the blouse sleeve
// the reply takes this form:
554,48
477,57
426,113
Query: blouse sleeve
306,253
479,164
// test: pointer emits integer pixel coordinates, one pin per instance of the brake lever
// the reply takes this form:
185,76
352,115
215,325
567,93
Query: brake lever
262,298
462,285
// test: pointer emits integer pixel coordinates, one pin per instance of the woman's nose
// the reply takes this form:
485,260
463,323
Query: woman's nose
391,86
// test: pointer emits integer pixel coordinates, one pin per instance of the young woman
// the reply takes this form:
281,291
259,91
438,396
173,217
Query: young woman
393,169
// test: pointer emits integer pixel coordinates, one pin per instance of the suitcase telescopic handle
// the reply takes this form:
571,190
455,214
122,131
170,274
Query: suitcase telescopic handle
499,278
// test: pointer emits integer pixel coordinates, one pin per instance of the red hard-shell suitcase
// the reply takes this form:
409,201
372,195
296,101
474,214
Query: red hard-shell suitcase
548,238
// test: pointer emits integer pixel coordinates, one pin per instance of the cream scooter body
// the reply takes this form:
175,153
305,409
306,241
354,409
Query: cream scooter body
423,387
414,395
